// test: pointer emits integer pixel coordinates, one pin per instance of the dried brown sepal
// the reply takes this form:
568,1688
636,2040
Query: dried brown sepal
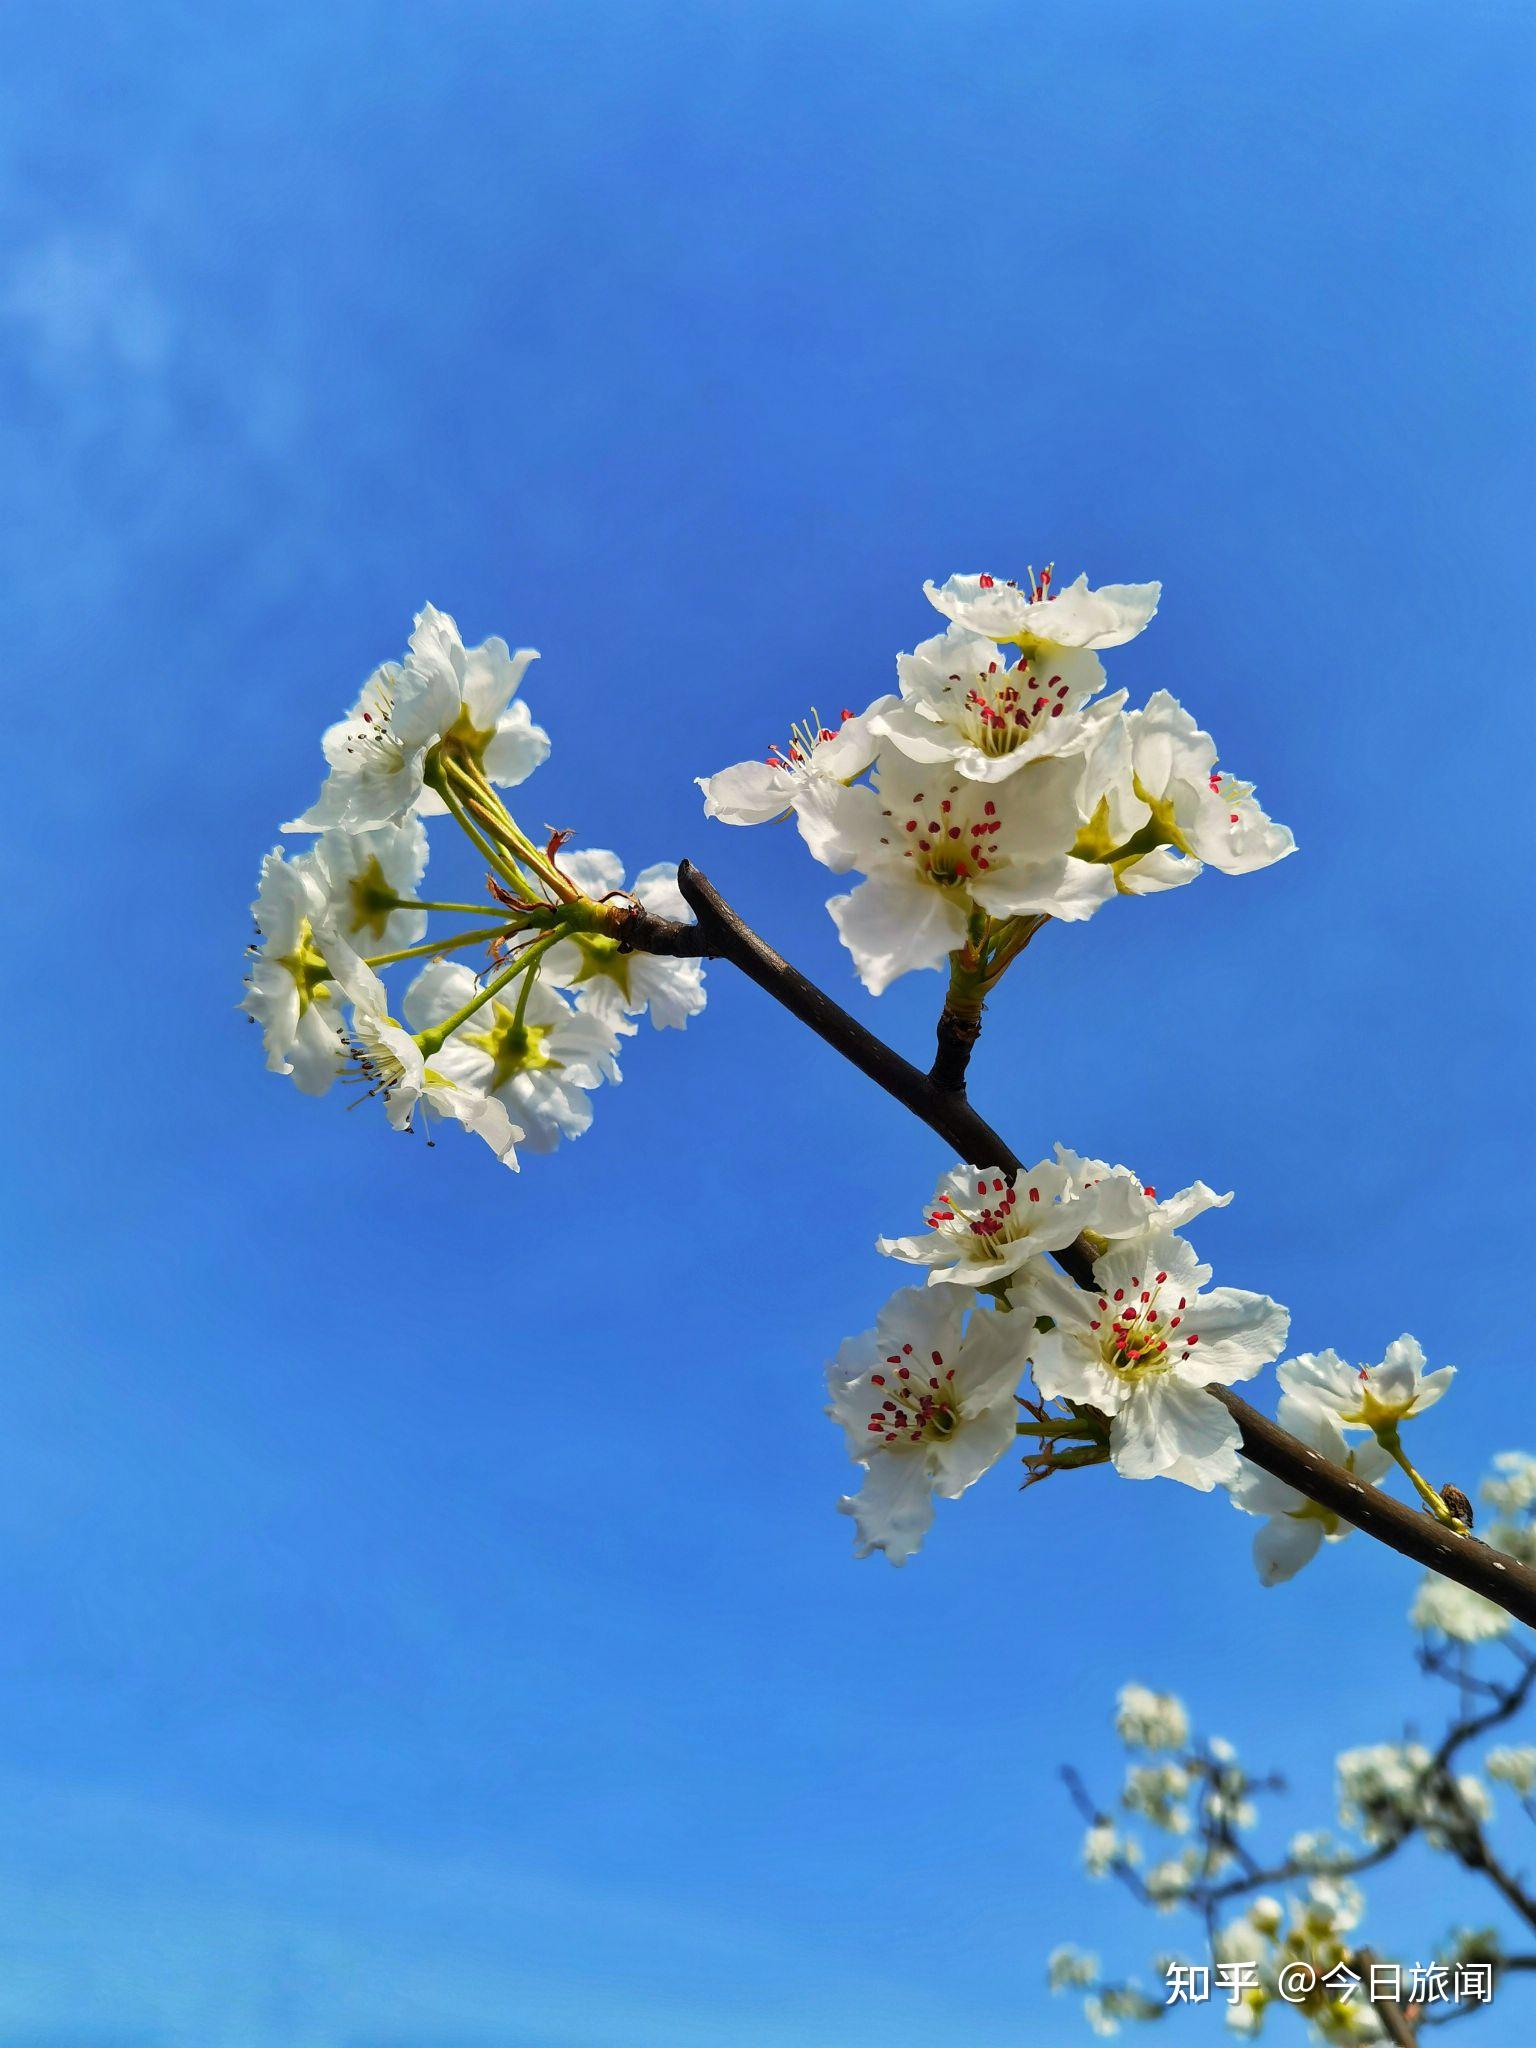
1458,1503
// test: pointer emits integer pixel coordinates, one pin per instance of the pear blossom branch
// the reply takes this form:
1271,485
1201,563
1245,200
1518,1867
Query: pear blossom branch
1302,1909
721,933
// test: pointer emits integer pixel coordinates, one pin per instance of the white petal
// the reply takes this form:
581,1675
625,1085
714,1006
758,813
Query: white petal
893,1510
836,823
1283,1546
893,927
1239,1334
1065,888
596,872
1170,1430
515,749
751,793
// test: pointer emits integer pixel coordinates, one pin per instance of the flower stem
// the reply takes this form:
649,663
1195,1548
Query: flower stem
420,903
494,931
494,858
1387,1437
479,797
431,1041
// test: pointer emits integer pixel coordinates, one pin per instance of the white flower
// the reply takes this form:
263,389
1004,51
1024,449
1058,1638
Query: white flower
1297,1526
1332,1906
1456,1611
808,779
1515,1767
1515,1539
1104,1846
394,1065
1150,1720
1167,1883
1142,1347
964,709
540,1069
1171,795
1071,1969
363,873
982,1227
935,848
926,1410
468,695
1313,1849
1134,1210
1516,1490
615,984
1031,618
377,754
1157,1792
289,986
1370,1396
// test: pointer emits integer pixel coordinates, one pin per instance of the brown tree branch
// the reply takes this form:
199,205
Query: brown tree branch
956,1037
721,934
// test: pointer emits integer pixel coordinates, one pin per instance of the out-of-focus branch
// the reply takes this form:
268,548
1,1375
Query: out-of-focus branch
720,933
1399,2028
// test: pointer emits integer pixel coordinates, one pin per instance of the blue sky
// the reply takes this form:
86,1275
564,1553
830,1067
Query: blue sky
425,1623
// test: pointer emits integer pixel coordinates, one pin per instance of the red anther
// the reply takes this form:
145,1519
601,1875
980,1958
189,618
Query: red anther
1161,1278
985,582
1119,1294
990,808
1150,1192
937,1357
877,1379
911,824
1034,1194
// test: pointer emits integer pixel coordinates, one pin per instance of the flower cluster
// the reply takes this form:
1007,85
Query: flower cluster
1388,1789
513,1047
999,786
1121,1369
